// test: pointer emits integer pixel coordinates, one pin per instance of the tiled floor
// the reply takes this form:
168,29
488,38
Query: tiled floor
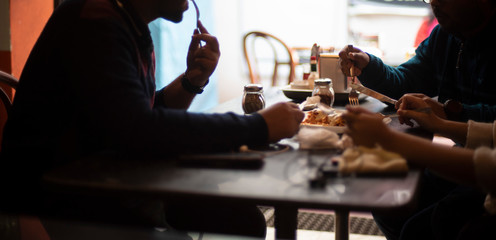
316,235
84,231
301,235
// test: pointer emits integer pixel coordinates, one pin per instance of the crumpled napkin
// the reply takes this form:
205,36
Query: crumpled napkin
310,103
322,138
376,160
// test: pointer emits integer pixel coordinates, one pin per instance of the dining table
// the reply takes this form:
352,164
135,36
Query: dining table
285,179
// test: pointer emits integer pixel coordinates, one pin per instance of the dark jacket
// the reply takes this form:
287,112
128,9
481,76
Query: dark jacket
445,66
88,87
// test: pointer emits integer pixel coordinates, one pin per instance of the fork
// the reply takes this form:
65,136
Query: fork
197,18
353,95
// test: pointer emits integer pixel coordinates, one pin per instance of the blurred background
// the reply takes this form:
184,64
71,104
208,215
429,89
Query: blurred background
385,28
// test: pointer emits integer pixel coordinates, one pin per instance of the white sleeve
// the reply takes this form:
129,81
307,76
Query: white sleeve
485,168
480,134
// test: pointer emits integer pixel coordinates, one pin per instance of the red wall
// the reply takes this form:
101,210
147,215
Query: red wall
27,19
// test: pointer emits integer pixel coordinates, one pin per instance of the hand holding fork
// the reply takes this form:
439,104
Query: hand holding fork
197,18
353,95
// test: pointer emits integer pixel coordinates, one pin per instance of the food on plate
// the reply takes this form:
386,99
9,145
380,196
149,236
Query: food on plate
337,120
320,117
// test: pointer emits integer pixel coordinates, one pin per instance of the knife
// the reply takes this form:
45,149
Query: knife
372,93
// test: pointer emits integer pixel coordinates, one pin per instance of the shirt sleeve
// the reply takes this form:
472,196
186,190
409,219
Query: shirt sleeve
485,169
477,134
114,102
415,75
484,159
478,112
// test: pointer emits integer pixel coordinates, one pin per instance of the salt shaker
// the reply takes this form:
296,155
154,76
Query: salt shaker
253,98
323,89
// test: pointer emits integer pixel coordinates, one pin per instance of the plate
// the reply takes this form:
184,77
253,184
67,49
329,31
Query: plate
300,95
339,129
336,129
296,94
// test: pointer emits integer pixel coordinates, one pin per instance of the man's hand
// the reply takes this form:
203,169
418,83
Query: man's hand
353,57
202,60
283,120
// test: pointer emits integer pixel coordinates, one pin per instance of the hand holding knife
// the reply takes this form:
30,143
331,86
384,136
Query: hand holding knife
372,93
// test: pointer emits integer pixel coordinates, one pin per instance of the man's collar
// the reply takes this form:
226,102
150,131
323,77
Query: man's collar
136,22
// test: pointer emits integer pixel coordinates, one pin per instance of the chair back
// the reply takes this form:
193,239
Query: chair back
7,84
269,49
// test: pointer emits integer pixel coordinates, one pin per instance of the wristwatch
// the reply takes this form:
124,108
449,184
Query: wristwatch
453,109
191,88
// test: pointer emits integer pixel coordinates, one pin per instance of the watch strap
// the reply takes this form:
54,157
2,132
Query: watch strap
190,87
453,109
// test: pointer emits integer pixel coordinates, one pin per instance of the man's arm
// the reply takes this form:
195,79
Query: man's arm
414,75
478,112
201,61
421,74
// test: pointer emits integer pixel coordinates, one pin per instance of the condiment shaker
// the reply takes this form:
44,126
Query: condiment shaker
253,98
323,89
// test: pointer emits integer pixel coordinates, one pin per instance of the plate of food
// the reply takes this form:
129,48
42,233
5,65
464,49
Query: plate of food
300,95
331,120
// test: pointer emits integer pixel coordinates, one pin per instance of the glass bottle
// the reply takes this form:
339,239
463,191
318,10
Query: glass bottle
323,89
253,98
314,73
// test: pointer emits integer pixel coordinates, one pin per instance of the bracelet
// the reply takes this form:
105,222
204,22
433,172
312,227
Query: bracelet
191,88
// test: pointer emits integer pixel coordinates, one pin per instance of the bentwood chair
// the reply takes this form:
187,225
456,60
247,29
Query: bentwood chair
15,226
8,84
264,51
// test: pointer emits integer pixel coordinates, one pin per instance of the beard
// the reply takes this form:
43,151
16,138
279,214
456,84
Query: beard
173,18
173,11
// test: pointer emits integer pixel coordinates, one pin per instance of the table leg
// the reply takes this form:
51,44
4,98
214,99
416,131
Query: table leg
342,224
285,222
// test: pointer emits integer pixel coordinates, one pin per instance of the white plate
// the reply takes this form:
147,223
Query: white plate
336,129
299,95
339,129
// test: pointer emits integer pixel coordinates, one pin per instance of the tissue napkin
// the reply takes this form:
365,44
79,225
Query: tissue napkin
363,160
318,138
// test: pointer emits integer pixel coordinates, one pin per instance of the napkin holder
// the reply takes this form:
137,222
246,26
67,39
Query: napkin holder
329,67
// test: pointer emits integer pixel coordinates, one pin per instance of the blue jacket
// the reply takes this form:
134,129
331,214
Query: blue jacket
447,67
